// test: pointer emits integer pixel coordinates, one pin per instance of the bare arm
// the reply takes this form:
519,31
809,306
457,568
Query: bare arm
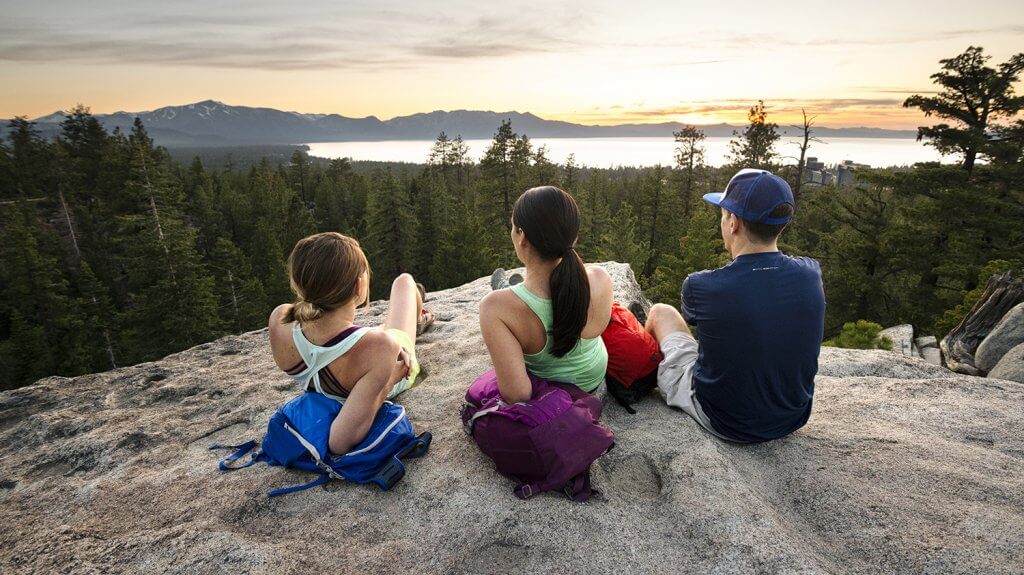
389,363
601,295
280,335
506,353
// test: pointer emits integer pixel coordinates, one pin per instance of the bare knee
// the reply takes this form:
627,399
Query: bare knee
404,281
664,319
660,313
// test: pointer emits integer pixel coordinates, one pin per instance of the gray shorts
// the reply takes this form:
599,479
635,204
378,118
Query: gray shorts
675,378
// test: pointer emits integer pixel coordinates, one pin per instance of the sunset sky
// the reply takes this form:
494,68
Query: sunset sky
592,62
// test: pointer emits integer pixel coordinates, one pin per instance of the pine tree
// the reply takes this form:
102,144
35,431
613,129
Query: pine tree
462,253
504,174
35,307
689,162
594,214
172,300
99,316
659,219
390,231
755,146
620,242
545,173
571,174
700,249
972,95
241,298
299,175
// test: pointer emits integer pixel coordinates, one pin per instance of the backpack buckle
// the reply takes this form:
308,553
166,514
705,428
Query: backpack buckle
390,474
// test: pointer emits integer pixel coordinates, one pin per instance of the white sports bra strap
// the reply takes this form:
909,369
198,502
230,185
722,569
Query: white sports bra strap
317,357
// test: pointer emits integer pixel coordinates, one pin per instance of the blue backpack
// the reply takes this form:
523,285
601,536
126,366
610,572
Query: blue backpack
297,438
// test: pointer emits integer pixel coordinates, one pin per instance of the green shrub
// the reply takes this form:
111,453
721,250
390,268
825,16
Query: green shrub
861,334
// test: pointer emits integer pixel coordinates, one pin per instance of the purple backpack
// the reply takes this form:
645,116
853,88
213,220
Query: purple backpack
544,445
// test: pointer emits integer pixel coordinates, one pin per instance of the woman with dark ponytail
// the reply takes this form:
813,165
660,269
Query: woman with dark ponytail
549,325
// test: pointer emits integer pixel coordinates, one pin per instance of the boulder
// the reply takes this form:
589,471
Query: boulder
1005,335
932,355
1011,366
926,341
902,337
904,467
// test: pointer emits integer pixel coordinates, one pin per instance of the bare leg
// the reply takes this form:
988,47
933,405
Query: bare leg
663,320
404,306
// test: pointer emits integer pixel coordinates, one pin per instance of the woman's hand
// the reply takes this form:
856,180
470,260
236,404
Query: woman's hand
400,370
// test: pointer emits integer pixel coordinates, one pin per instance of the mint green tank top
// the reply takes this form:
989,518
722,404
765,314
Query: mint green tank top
584,366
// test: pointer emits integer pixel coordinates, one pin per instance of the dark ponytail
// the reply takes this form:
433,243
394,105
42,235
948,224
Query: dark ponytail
551,221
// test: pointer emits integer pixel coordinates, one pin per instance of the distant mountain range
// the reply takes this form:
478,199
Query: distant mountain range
212,123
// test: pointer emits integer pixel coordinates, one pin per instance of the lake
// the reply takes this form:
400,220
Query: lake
611,152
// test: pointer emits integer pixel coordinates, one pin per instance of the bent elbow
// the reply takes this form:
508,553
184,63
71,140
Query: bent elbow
515,395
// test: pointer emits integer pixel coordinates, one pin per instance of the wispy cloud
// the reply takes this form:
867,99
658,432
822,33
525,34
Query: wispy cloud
346,38
778,105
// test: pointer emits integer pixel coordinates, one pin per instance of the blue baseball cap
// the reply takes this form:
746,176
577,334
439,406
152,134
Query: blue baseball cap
753,195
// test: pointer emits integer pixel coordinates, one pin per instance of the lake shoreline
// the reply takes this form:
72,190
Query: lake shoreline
611,152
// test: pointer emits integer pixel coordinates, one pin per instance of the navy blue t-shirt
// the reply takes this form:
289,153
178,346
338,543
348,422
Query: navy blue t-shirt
760,320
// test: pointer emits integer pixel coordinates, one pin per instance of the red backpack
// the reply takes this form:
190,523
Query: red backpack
633,358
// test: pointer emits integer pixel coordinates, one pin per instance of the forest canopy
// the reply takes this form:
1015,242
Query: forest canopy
113,253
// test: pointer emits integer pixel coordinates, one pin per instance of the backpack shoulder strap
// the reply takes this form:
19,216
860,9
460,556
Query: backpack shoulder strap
242,449
286,490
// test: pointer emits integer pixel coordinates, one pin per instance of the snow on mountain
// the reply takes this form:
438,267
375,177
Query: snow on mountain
211,122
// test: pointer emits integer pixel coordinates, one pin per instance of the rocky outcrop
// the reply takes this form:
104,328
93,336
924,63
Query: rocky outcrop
904,467
1011,365
1008,333
902,338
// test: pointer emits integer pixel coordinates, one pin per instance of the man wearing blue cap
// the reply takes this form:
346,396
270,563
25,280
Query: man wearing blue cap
760,320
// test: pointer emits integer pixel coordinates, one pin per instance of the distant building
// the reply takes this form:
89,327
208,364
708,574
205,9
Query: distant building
815,172
846,172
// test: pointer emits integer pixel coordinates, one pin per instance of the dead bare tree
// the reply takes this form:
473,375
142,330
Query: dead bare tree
807,132
1002,292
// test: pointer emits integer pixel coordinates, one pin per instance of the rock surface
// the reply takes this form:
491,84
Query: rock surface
932,355
902,337
1011,366
903,467
1008,333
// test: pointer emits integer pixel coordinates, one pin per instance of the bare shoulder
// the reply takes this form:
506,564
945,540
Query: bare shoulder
376,341
276,317
497,303
279,332
599,278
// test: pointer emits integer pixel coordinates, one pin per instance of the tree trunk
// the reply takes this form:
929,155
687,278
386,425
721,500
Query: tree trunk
71,226
969,157
1002,292
156,216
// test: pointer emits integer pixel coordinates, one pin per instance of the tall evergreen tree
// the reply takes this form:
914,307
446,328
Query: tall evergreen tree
390,230
972,95
172,300
504,170
689,161
755,146
621,243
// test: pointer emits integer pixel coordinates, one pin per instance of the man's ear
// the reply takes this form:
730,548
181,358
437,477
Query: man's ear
735,225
